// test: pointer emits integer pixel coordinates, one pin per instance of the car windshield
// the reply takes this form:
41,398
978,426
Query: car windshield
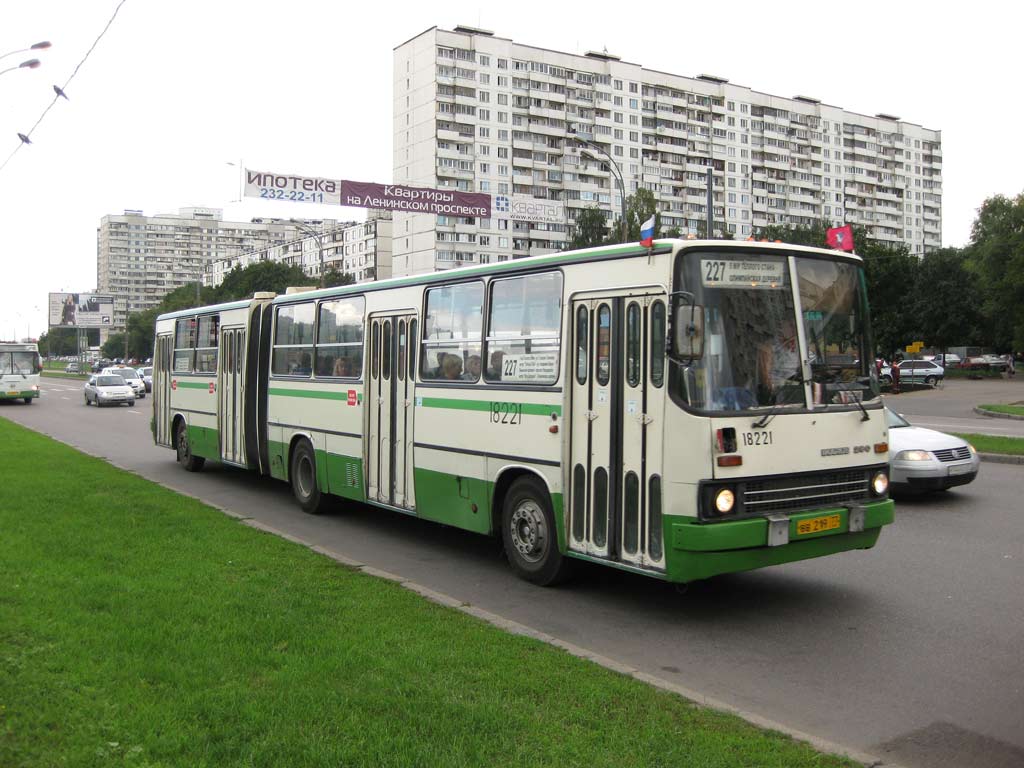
110,381
128,373
752,353
147,371
895,420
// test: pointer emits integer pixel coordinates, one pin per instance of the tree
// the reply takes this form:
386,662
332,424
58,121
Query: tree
113,346
640,206
334,277
590,230
947,303
996,255
892,279
243,282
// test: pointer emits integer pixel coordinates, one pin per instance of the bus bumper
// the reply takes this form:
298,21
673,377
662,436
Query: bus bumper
18,394
699,551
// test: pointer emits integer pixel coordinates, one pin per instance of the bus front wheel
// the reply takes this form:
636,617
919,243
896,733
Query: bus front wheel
529,535
303,476
184,450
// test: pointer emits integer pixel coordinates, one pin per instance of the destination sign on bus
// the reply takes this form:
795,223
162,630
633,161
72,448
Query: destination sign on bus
738,273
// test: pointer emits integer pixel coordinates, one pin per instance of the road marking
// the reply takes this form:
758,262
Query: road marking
64,398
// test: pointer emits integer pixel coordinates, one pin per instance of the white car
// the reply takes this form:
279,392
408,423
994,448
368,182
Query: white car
147,377
131,378
925,460
108,389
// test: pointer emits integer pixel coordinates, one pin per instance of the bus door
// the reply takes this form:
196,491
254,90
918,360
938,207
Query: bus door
230,391
162,388
617,414
390,400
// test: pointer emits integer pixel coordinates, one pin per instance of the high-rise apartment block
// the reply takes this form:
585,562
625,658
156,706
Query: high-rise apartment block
140,259
480,113
361,249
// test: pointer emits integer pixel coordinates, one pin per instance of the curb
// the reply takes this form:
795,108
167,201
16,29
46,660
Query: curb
1001,458
995,415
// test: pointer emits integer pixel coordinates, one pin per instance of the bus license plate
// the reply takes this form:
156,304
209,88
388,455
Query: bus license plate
817,524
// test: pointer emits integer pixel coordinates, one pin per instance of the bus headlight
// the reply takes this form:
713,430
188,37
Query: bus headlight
725,500
880,483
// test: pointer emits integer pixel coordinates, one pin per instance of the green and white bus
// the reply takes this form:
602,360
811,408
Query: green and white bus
681,411
20,367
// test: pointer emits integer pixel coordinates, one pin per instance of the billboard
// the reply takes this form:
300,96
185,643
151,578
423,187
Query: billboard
532,209
359,194
81,310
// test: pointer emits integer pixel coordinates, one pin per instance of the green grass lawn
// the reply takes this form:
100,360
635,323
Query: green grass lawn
142,628
1016,410
1013,446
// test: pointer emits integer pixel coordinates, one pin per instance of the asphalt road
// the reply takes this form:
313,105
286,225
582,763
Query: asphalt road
911,651
951,407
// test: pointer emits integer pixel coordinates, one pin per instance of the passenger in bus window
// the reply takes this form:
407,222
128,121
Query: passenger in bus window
473,368
494,369
341,367
303,366
452,367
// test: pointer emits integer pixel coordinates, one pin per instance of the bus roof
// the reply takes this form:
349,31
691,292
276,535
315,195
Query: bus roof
599,253
241,304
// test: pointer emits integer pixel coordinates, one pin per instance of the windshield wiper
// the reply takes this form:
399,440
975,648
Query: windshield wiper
774,410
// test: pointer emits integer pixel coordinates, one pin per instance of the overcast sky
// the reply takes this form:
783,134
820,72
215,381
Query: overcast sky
178,89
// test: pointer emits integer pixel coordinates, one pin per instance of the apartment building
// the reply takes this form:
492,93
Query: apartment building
480,113
361,249
139,258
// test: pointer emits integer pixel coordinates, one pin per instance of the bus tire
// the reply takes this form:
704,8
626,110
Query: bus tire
28,401
303,479
529,535
184,450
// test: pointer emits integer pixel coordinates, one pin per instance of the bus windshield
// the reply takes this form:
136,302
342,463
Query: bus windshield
752,337
18,362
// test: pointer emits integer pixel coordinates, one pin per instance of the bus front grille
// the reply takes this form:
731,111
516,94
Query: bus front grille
812,490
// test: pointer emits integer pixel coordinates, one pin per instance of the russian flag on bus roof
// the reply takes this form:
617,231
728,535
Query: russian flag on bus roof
647,233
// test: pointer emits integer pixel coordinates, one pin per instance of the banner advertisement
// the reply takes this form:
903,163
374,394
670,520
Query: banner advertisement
81,310
358,194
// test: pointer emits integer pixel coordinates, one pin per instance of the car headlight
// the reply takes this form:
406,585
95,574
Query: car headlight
913,456
880,483
972,449
725,500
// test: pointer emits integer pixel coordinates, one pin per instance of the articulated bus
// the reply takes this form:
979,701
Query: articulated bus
20,367
681,411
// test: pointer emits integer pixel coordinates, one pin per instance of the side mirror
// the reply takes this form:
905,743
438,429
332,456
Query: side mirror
689,331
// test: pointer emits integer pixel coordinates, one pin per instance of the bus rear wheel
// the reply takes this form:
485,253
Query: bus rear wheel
28,401
529,535
303,476
184,450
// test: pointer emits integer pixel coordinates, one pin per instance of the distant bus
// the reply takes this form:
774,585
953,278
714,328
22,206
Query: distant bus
683,411
20,367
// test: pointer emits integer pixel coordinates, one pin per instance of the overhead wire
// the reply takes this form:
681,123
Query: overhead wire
60,91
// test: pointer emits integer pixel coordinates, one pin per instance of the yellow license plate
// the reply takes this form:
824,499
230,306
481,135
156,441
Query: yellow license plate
817,524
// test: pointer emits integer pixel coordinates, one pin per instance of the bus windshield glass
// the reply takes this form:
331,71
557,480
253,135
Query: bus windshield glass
752,349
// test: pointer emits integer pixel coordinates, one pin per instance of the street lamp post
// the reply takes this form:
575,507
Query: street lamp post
319,237
30,64
612,166
40,46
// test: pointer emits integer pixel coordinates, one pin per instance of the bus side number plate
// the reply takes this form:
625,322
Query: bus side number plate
506,413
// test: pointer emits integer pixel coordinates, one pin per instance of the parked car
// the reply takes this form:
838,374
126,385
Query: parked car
147,377
926,460
131,378
947,360
108,389
72,368
915,372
